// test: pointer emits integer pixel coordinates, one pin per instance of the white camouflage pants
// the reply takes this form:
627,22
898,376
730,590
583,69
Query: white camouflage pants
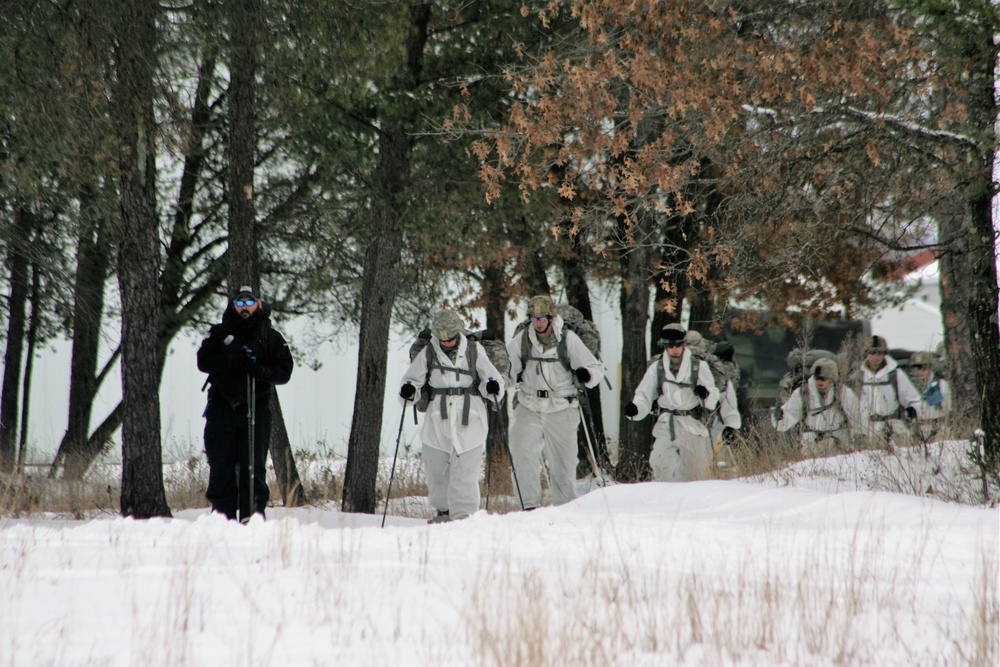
453,480
552,434
686,457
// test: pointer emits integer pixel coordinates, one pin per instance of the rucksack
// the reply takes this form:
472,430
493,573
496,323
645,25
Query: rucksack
573,320
722,371
496,352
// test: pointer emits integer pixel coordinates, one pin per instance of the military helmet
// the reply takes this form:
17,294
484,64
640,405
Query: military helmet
877,345
925,359
542,305
446,324
825,369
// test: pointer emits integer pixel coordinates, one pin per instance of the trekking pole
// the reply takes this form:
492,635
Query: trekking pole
251,424
590,448
488,466
587,417
392,471
503,435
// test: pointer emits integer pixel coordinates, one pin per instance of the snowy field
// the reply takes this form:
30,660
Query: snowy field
824,563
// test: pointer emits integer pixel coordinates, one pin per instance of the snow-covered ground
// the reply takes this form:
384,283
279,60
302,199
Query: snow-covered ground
819,564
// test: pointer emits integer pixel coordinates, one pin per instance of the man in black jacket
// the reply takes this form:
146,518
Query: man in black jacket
243,357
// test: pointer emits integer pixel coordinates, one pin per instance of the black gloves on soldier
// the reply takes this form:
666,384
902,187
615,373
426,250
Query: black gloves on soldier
631,410
701,392
407,391
247,362
911,413
492,387
583,375
727,434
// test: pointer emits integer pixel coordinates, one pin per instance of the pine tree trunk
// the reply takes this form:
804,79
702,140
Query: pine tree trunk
955,286
287,473
378,295
76,451
142,494
34,322
14,354
378,289
982,239
244,252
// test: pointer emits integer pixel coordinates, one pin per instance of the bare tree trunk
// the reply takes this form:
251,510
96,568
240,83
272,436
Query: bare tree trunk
244,253
635,437
142,494
29,353
982,239
14,354
955,286
76,451
287,473
497,447
378,290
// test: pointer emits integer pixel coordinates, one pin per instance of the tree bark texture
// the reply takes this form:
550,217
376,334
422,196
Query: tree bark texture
76,450
982,239
287,473
142,494
19,264
956,299
378,289
244,252
29,364
242,147
635,437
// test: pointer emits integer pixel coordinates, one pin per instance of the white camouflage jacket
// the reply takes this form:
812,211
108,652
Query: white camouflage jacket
445,432
547,386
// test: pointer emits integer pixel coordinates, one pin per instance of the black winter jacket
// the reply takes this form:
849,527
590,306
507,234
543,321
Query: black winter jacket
222,356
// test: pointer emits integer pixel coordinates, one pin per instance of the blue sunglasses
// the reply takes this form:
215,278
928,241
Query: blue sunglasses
244,302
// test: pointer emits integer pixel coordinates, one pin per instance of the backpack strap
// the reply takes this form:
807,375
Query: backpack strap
807,411
892,380
472,356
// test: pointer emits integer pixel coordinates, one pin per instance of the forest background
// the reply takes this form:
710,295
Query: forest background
367,162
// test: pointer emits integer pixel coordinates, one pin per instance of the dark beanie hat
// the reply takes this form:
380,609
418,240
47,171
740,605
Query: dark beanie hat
672,332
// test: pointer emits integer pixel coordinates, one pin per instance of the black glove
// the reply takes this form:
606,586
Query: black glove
728,434
631,410
777,413
255,370
911,413
248,363
701,392
492,387
407,391
583,375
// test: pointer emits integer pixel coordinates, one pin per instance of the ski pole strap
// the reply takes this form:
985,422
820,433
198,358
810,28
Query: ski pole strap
454,391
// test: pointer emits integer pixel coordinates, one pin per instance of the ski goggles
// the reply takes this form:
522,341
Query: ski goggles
240,303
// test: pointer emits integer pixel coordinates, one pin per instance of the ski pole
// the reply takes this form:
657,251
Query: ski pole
503,435
251,424
590,448
392,471
488,467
